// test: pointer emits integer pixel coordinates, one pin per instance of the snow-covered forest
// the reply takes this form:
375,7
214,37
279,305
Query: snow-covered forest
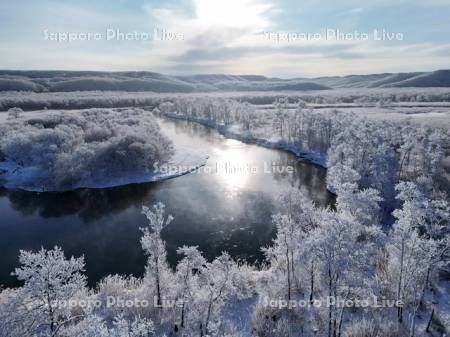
376,264
370,155
384,282
64,150
108,99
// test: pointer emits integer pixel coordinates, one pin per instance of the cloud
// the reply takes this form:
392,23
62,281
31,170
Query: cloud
224,53
221,37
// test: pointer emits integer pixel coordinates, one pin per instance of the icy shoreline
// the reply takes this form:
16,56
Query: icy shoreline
184,161
14,177
225,131
59,151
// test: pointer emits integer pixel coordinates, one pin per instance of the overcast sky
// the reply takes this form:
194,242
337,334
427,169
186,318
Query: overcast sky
227,36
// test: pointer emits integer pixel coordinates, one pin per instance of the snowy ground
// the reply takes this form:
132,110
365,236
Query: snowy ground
339,97
435,114
422,105
184,161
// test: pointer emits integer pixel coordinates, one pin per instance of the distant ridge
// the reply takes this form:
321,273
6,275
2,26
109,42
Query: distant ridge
439,78
63,81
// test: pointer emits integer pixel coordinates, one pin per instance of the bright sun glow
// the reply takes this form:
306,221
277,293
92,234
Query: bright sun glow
232,13
232,167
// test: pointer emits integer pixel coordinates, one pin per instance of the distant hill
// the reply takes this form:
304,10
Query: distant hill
63,81
440,78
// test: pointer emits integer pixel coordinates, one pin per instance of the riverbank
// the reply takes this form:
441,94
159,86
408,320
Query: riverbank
59,150
182,163
229,133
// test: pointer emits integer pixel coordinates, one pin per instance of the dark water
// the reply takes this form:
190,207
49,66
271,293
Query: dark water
228,208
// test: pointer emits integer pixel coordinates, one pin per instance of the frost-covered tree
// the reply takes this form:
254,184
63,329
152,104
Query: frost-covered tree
15,318
343,250
365,147
94,326
157,269
216,284
281,253
14,113
332,243
415,251
421,152
50,280
248,117
188,270
295,221
139,327
65,150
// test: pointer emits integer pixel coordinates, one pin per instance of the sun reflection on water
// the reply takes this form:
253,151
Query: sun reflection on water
232,166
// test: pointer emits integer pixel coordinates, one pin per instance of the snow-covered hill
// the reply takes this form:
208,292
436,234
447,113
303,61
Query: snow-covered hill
63,81
143,81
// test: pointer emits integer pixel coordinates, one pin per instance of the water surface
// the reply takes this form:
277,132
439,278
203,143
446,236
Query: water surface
225,206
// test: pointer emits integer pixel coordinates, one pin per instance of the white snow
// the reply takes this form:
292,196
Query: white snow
235,133
33,177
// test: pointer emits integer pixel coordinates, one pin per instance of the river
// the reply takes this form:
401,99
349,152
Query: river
225,206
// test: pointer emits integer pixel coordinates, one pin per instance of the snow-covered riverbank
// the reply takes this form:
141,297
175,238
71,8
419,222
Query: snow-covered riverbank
235,133
184,161
94,148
